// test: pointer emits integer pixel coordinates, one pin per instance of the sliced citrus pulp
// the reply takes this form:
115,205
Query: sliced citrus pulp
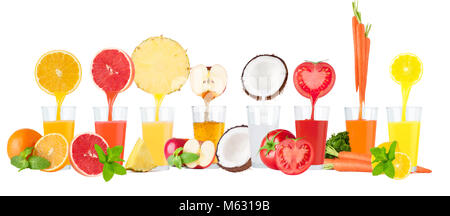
406,68
161,64
84,157
55,148
58,72
402,165
113,70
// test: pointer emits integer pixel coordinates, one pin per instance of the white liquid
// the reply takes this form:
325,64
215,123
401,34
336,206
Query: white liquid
257,133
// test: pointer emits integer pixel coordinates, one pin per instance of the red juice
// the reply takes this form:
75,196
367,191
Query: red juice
315,132
113,132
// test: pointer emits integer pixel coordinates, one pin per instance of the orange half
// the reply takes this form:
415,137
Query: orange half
58,72
55,148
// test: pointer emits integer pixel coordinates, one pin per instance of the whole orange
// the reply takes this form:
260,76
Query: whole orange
20,140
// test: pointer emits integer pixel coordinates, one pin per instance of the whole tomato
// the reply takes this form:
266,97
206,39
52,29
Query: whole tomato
269,144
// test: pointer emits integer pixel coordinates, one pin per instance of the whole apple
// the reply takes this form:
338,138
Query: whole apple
172,144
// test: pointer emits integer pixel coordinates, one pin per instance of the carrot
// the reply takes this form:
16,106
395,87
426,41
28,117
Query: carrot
366,61
420,169
360,34
348,165
355,156
354,23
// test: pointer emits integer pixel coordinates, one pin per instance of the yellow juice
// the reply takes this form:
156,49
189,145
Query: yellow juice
406,133
212,131
155,136
64,127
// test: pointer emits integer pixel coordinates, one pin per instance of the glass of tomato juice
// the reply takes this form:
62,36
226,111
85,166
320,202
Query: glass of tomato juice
314,130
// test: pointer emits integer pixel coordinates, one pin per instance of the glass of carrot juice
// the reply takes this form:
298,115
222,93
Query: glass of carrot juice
112,131
361,128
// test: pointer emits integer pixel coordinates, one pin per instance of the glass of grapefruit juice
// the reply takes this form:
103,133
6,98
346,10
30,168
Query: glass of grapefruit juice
313,130
361,131
112,131
156,132
261,120
406,132
209,124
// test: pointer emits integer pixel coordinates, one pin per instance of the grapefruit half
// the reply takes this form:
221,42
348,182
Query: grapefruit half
84,157
113,70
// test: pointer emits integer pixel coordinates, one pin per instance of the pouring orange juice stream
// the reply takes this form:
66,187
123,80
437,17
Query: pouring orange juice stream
406,70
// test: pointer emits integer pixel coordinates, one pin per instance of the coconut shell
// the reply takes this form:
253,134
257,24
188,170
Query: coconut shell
244,167
270,97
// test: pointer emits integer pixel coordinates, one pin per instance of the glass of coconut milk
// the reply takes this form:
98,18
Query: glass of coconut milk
261,120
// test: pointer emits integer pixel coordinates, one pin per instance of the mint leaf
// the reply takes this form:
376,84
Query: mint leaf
25,153
391,154
117,150
118,169
108,172
379,154
20,162
101,154
389,169
177,162
38,163
177,151
170,160
188,157
378,169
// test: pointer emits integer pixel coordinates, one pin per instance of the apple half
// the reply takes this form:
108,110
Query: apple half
206,150
208,82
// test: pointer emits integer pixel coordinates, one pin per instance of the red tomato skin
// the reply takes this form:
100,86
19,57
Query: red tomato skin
290,143
269,160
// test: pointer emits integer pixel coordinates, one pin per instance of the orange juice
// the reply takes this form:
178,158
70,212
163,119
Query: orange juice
209,130
155,136
64,127
362,135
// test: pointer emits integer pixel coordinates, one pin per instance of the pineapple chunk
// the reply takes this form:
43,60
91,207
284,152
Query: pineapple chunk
140,159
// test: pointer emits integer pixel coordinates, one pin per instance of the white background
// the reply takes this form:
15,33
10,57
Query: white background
228,33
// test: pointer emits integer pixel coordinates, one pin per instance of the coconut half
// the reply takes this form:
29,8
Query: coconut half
264,77
233,150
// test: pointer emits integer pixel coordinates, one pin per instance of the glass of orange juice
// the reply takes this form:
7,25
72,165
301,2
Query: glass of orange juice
112,131
65,125
156,132
406,132
209,124
361,131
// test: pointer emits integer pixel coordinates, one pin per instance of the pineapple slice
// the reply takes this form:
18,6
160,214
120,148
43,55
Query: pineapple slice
140,159
161,65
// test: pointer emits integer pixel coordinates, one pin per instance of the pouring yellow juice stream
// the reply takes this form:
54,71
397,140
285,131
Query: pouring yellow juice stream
406,70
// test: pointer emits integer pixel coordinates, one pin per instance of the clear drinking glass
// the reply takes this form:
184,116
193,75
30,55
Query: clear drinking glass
313,130
209,124
156,132
64,126
361,131
405,131
112,131
261,120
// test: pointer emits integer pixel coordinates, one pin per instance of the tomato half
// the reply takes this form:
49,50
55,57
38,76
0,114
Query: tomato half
294,157
269,144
